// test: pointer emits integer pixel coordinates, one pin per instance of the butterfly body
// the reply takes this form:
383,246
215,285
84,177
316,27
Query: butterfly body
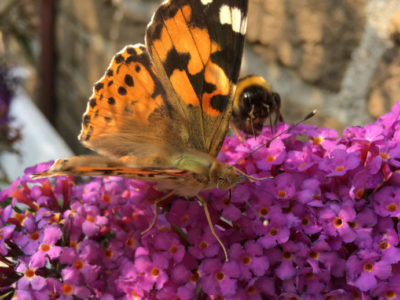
186,174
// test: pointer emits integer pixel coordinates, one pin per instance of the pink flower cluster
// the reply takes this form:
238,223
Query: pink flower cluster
324,225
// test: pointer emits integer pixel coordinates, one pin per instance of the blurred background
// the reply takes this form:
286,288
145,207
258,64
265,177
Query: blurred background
339,56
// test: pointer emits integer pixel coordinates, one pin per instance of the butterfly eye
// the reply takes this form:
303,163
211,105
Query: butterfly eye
221,183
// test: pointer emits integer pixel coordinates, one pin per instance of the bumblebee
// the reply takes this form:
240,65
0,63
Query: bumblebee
254,102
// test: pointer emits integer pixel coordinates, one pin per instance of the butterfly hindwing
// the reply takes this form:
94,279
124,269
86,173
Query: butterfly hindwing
128,112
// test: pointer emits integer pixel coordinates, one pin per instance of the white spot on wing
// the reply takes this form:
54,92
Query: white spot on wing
233,16
205,2
236,19
225,15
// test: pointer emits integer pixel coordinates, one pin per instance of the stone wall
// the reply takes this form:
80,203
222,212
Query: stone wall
340,56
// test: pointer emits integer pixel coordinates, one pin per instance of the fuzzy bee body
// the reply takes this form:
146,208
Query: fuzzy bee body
254,103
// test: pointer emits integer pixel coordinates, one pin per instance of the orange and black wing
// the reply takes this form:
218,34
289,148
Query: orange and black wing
128,112
196,48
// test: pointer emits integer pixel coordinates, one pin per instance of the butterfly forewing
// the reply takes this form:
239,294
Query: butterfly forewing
196,47
128,112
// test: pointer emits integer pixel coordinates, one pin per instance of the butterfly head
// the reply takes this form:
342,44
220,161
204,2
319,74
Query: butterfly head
225,176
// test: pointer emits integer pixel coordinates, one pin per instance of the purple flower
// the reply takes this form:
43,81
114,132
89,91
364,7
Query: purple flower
168,245
204,243
338,162
47,248
30,281
219,279
274,155
337,220
365,269
386,201
250,258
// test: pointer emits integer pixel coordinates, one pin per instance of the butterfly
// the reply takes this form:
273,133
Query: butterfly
161,111
254,102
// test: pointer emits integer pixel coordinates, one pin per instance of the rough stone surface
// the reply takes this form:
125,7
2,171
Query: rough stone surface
88,34
384,90
314,38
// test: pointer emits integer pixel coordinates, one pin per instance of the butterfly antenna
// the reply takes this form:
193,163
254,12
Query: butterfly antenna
309,116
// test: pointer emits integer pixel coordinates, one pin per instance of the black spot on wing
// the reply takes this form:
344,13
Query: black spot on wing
175,61
98,86
86,120
131,51
92,102
219,102
119,58
122,91
128,80
111,101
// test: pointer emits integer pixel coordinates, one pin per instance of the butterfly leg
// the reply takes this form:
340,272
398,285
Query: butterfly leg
210,224
153,222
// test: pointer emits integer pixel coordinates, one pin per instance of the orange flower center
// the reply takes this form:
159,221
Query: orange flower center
314,255
78,265
368,267
220,276
287,255
45,247
130,242
194,277
203,245
251,290
337,222
305,221
34,236
360,193
185,218
29,273
246,260
318,140
384,155
392,207
281,193
390,294
339,168
173,249
67,289
263,211
109,253
270,158
383,245
273,232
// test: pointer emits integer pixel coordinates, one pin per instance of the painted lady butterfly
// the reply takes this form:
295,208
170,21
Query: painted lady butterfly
161,111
